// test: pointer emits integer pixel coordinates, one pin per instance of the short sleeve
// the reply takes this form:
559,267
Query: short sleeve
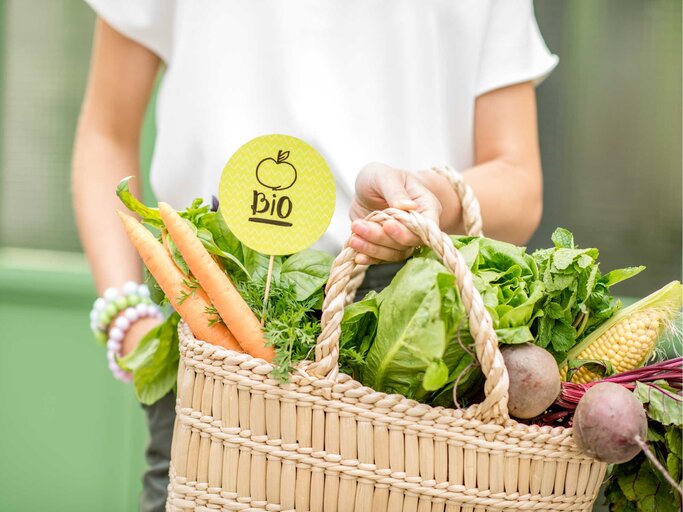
148,22
513,50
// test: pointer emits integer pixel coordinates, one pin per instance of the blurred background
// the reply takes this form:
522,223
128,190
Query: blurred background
72,438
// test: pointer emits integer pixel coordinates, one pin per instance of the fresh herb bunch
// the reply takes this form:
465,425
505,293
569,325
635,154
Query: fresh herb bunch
291,326
576,298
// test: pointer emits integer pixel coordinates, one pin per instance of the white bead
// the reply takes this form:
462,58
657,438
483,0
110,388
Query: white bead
131,314
116,334
113,345
93,315
99,304
143,291
110,294
122,323
141,310
94,325
129,288
111,357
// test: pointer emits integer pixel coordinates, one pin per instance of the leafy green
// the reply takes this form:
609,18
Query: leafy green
601,367
149,215
358,329
416,341
576,296
436,376
306,272
665,405
177,257
411,331
291,326
154,362
637,485
621,274
256,265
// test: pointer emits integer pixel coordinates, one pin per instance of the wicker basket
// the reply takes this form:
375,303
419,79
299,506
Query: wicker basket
323,442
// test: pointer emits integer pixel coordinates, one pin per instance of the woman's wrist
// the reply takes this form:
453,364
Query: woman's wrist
450,219
118,319
125,330
113,302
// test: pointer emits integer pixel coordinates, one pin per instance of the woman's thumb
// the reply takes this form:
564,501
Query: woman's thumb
395,194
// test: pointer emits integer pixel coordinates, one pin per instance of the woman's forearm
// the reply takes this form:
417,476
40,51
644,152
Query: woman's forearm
506,177
510,200
99,164
122,75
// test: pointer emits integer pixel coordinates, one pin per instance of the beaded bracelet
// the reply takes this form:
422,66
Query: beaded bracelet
112,302
118,331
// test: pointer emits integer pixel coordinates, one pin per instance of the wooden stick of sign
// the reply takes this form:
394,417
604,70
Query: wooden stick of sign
267,291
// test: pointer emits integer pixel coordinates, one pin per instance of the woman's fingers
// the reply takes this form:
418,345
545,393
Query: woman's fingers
375,234
400,234
372,253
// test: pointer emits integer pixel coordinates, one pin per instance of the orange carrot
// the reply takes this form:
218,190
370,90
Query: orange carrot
230,305
190,303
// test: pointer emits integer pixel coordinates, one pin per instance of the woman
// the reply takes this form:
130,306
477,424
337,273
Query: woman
408,83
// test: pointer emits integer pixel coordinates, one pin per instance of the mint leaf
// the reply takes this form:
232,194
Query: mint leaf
563,238
563,337
621,274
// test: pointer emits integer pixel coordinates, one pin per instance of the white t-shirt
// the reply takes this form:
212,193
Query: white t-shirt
393,81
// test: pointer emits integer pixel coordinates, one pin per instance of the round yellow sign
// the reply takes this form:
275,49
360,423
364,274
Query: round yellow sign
277,194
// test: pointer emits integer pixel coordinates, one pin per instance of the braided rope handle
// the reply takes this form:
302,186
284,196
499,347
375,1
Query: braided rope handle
471,216
343,282
471,213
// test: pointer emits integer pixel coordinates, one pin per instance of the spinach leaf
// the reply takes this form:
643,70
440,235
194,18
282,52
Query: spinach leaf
358,328
411,332
256,265
306,272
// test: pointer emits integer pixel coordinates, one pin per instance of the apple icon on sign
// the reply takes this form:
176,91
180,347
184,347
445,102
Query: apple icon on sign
276,173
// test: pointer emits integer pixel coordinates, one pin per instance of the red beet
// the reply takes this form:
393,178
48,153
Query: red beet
607,423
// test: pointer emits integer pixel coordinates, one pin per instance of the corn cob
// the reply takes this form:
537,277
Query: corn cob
629,338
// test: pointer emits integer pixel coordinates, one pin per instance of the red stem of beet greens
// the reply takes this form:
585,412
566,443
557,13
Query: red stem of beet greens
670,371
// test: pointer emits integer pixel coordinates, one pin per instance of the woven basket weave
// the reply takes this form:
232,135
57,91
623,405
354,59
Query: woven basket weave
323,442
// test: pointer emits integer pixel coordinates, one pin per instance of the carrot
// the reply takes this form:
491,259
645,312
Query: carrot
191,304
230,305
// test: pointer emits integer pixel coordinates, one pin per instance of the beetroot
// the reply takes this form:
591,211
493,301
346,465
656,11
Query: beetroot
608,423
534,379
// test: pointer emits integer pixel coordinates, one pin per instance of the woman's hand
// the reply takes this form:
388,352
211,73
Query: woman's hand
136,332
379,186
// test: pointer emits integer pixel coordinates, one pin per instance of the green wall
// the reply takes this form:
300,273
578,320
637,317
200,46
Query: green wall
71,437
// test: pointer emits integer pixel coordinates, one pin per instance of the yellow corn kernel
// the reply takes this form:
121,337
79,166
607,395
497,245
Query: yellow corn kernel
629,338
